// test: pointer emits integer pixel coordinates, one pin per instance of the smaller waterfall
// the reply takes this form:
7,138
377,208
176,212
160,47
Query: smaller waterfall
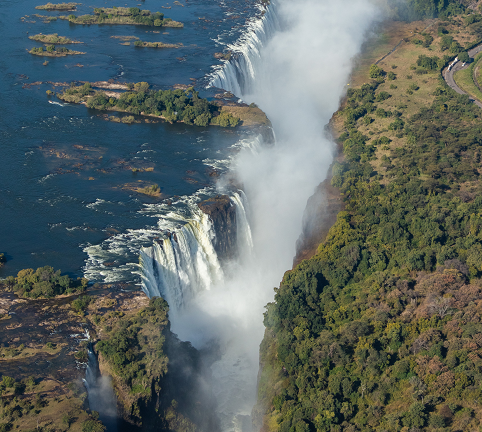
238,74
183,264
243,229
100,393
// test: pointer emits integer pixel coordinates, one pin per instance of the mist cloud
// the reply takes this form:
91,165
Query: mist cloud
300,79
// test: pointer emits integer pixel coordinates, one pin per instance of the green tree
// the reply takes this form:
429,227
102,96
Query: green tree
376,72
464,57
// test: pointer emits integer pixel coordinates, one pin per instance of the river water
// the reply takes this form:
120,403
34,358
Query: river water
294,61
62,200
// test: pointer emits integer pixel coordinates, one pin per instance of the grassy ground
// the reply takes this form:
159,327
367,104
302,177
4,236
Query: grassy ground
465,81
402,61
250,116
468,79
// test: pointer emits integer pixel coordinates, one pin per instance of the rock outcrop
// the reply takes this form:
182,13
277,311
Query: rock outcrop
222,214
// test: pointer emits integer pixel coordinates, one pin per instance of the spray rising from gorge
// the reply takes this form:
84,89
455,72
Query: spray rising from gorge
294,63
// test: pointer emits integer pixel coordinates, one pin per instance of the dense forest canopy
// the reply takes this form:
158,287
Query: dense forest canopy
410,10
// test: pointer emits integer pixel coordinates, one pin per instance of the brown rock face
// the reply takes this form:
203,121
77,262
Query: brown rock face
222,214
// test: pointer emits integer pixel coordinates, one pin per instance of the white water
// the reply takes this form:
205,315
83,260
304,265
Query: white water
181,266
294,62
239,74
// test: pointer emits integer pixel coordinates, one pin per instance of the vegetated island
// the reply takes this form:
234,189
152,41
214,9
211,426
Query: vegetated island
152,190
171,105
123,15
53,38
141,44
52,51
381,330
59,6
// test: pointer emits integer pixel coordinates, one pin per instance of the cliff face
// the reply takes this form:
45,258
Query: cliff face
222,214
320,215
157,378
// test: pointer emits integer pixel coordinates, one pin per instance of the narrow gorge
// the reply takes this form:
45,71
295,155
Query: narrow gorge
293,62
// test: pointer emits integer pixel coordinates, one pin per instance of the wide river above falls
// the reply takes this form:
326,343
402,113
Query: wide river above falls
65,171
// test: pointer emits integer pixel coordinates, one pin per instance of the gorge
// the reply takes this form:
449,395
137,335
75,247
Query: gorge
295,69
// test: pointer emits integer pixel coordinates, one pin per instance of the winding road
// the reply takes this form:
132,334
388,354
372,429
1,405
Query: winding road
448,75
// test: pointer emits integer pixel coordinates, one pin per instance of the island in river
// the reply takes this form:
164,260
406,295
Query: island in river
58,7
171,105
53,39
124,15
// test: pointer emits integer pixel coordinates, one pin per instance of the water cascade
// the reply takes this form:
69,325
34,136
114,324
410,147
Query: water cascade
237,74
185,262
182,264
100,393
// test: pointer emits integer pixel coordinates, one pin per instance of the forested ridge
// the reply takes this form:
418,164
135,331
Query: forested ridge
381,330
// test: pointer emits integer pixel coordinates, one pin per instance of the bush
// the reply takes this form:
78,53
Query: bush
80,304
376,72
93,426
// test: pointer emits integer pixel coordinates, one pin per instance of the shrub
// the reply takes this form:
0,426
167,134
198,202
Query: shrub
81,303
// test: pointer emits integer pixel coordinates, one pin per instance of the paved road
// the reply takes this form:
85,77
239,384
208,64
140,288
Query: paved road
448,75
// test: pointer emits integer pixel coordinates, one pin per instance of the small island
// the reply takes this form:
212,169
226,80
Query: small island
124,15
183,106
59,6
141,44
53,39
52,51
152,190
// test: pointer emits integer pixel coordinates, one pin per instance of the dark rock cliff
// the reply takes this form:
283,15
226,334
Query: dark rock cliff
222,213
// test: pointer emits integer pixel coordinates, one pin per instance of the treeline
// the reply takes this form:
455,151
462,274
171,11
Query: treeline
172,105
381,329
412,10
44,282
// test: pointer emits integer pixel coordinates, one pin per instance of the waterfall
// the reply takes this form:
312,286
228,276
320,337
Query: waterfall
244,237
237,74
182,264
100,393
185,263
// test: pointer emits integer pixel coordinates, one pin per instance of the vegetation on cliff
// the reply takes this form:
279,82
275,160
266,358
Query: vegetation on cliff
3,260
134,350
43,282
380,330
171,105
124,15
